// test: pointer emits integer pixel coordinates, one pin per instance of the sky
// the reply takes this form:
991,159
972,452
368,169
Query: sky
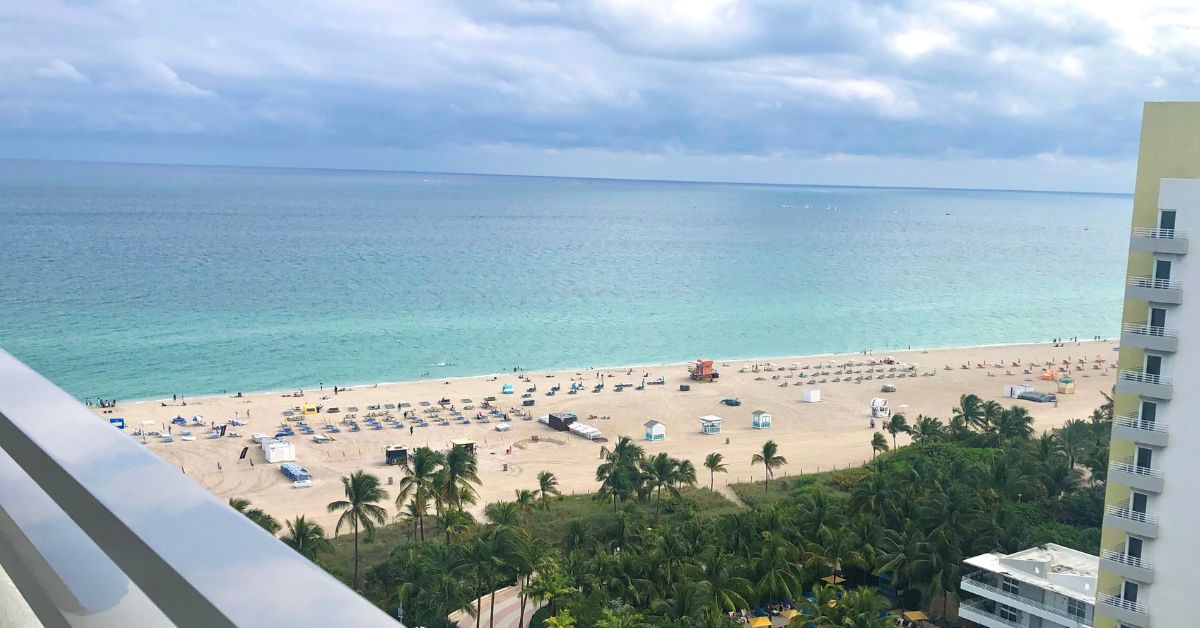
1026,94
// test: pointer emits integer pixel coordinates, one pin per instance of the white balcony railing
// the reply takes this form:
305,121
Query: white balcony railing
1143,377
978,579
1117,554
976,606
1143,329
95,530
1141,281
1135,423
1123,511
1163,234
1109,599
1127,465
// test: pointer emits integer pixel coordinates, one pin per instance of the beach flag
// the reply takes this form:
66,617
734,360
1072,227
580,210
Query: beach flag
244,451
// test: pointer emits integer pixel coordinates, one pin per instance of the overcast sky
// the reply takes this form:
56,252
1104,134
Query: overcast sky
1043,94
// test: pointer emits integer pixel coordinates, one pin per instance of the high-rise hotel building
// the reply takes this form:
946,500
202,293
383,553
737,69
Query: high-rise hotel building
1150,548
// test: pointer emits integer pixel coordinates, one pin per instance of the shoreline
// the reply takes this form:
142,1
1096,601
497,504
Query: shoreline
526,372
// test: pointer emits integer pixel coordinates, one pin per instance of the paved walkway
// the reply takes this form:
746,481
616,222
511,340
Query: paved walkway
508,610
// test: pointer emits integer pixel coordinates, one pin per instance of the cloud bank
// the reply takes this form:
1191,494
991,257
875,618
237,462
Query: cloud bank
842,92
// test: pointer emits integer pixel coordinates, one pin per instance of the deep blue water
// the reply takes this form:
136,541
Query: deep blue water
134,281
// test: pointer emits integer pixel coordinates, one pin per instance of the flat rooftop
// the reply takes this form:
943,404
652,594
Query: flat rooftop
1052,567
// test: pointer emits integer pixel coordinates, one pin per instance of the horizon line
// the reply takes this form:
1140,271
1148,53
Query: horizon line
566,177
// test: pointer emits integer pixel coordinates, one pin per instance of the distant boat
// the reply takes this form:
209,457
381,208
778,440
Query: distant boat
444,364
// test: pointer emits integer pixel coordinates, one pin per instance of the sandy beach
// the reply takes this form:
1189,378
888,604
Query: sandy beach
813,436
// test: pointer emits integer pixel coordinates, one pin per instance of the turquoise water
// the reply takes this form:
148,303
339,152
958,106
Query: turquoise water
134,281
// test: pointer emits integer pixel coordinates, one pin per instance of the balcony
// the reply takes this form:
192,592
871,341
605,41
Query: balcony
1116,561
1128,427
1122,610
1143,384
975,611
97,531
1129,474
1149,337
978,583
1169,241
1139,288
1122,517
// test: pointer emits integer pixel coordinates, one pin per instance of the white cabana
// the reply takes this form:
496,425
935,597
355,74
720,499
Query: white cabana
760,420
812,395
710,424
655,430
277,450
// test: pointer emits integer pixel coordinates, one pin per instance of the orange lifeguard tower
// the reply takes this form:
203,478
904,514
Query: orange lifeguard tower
702,370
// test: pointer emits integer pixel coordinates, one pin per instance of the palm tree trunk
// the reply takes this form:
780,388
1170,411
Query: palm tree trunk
421,523
712,478
356,555
479,605
492,613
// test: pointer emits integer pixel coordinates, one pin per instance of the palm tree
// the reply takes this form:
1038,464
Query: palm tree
688,600
526,500
1014,424
257,515
927,429
878,444
898,424
715,463
770,459
455,523
969,411
363,493
547,485
659,471
686,475
306,537
618,474
504,513
418,482
459,474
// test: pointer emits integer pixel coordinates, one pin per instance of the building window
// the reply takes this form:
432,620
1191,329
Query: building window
1010,585
1008,612
1076,608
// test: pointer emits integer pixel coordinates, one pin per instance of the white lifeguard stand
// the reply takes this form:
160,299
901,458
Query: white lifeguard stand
710,424
760,420
656,430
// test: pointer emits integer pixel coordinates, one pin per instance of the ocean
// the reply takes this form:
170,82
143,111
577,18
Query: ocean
138,281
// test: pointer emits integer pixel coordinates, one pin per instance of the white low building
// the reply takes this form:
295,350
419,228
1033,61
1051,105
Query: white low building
1041,587
278,450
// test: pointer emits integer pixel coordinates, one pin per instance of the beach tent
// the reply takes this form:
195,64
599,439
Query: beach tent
1066,385
710,424
469,445
879,408
311,409
503,427
586,431
506,389
812,395
395,454
760,420
760,622
655,430
1012,390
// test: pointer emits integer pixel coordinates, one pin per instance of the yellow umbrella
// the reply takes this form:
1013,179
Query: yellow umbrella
915,616
833,579
790,613
760,622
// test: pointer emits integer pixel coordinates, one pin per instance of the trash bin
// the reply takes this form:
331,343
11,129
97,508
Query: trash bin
685,387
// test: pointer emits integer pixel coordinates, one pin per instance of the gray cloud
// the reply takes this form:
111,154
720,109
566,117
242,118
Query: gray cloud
1011,79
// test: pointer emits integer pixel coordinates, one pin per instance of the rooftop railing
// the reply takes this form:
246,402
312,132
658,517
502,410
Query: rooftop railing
97,531
976,606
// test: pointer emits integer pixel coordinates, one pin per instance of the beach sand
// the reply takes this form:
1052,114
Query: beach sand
813,436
